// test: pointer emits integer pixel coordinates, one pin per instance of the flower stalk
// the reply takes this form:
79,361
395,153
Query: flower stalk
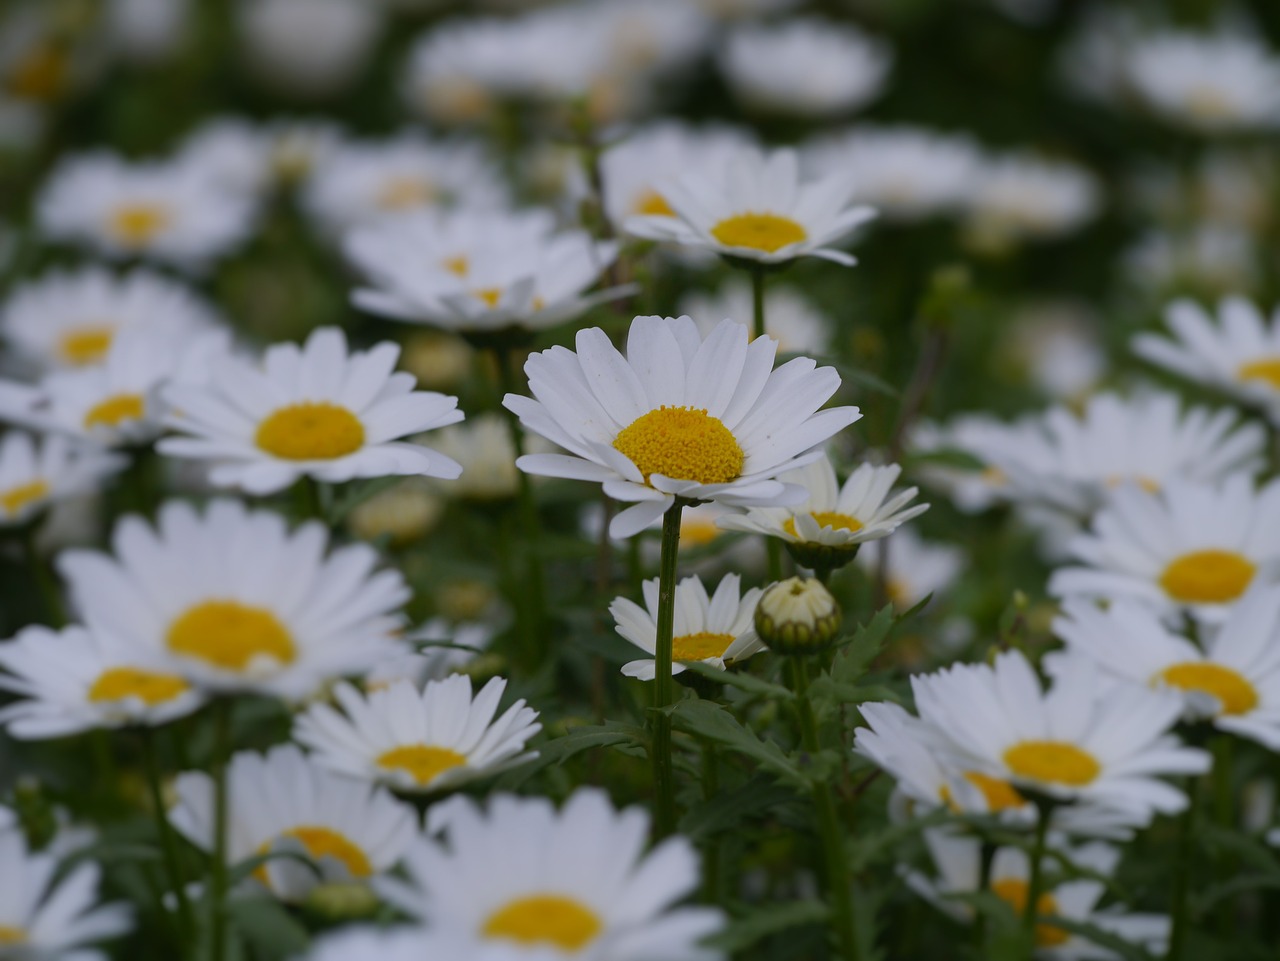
663,682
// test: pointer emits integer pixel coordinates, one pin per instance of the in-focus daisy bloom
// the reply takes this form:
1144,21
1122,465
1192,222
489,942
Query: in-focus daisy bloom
36,474
77,680
1238,352
44,916
238,600
1074,742
1193,547
1019,198
576,883
171,212
756,207
790,318
1232,680
283,801
804,66
312,411
917,568
716,629
418,740
678,416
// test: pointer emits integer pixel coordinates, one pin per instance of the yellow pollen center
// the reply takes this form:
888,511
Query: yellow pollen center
1207,577
151,688
310,431
230,635
324,842
837,522
1000,795
1267,370
1013,891
10,935
683,443
114,411
402,193
697,532
1052,762
423,762
457,265
490,295
545,919
136,225
767,232
698,647
87,344
16,498
1233,691
652,204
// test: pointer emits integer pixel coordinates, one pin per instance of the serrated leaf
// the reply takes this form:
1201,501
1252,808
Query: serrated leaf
707,720
743,682
727,809
854,658
558,750
768,920
270,930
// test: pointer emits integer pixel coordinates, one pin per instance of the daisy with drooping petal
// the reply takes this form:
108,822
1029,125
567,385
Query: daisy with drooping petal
718,629
36,474
283,801
312,411
1073,743
238,600
558,885
678,416
755,206
1192,547
418,740
917,568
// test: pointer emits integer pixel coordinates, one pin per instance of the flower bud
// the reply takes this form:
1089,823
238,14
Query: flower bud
341,901
797,616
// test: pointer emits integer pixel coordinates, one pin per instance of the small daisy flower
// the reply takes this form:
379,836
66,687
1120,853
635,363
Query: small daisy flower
296,146
718,630
308,48
431,652
239,601
449,75
402,514
419,740
79,680
917,568
44,915
989,441
311,411
1075,742
679,416
569,884
1216,259
1192,548
484,448
1022,198
790,318
755,206
37,474
283,801
232,151
171,212
403,943
1058,347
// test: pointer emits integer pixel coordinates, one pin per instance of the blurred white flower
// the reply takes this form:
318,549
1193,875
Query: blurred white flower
1057,344
148,31
916,568
311,48
1209,257
1018,198
790,318
36,474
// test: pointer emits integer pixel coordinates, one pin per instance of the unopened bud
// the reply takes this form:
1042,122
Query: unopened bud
341,901
798,616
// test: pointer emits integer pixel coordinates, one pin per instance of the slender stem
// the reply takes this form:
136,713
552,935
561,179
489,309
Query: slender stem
773,549
218,879
1035,879
46,586
984,883
307,497
168,843
839,888
1182,870
711,879
1224,816
663,684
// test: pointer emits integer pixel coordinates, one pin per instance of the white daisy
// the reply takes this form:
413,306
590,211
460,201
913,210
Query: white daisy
450,72
917,568
78,679
1020,198
1057,344
804,66
679,416
296,146
569,884
311,411
1214,259
164,211
148,32
487,453
990,442
239,601
402,514
718,630
1074,743
419,740
790,318
232,151
35,475
405,943
310,48
1192,547
755,206
431,652
283,801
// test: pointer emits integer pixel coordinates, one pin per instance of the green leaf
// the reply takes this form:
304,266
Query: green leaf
744,682
558,750
710,721
727,809
764,921
270,930
854,658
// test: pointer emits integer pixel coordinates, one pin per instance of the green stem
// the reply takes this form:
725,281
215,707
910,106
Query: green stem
984,883
218,879
711,880
307,497
839,888
1182,870
663,683
773,549
1224,816
46,586
1035,879
168,843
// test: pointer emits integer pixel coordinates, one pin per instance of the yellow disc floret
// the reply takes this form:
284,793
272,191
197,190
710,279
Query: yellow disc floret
550,919
149,687
1267,370
698,647
310,431
423,762
87,344
115,410
1013,891
136,225
230,635
1052,762
683,443
832,519
322,842
767,232
1233,691
1207,577
16,498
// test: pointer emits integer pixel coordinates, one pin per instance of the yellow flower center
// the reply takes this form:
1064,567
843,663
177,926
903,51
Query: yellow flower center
310,431
683,443
837,522
767,232
652,204
87,344
16,498
545,919
1013,891
402,193
114,411
423,762
230,635
1207,577
323,842
490,295
994,476
697,647
136,225
118,683
1233,691
1148,484
697,531
1267,369
459,265
10,935
1053,762
1000,795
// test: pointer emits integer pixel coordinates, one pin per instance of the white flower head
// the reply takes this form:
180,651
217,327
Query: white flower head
1020,198
916,568
37,474
232,151
789,317
989,441
309,48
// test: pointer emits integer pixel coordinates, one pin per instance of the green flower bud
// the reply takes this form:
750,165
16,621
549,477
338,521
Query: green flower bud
821,557
798,616
337,901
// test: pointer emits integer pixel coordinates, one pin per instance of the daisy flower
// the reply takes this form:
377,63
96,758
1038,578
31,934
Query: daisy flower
1216,259
993,444
311,411
790,318
449,75
403,513
79,679
239,601
170,212
679,416
37,474
917,568
43,915
308,48
419,740
484,448
1058,347
404,943
756,207
1022,198
569,884
431,652
1193,547
282,801
1233,681
718,629
296,146
1074,743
